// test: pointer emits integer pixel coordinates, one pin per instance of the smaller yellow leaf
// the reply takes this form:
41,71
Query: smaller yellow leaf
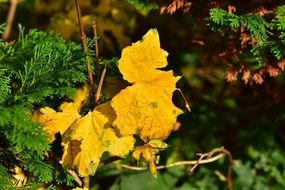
81,147
55,122
89,137
148,153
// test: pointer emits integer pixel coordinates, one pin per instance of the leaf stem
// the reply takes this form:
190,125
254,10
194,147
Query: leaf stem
186,102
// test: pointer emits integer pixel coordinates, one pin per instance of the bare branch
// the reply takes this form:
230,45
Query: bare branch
94,26
220,150
100,85
204,158
84,47
10,19
190,162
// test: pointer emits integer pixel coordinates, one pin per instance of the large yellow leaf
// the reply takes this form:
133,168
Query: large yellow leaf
89,137
146,107
55,122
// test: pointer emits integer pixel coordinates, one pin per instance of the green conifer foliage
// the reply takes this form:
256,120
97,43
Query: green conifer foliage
261,29
33,70
5,182
4,85
144,4
42,65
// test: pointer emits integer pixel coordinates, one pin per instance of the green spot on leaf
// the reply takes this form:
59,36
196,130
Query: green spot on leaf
154,104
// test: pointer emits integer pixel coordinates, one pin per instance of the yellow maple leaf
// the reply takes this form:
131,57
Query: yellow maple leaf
89,137
55,122
81,148
145,108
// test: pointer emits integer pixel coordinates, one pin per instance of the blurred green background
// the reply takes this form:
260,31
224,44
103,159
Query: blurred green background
248,120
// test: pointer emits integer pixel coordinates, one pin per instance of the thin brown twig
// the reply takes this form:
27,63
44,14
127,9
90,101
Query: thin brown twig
10,19
204,158
210,154
220,175
81,29
188,162
94,26
229,172
97,66
84,47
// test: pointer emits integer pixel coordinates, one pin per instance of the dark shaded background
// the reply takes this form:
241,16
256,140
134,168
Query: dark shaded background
247,119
